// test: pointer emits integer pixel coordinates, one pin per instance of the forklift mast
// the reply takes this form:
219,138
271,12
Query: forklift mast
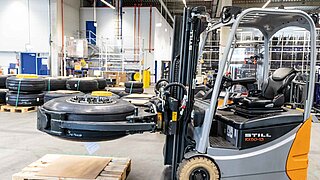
187,30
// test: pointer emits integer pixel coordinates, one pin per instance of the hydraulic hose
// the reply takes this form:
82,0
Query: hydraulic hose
177,84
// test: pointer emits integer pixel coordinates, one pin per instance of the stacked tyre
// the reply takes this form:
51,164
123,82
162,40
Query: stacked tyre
55,83
102,83
133,87
85,85
3,90
25,90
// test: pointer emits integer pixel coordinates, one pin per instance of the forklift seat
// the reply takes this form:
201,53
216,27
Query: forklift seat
274,93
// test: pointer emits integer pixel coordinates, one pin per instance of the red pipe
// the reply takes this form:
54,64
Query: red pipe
150,29
134,31
138,28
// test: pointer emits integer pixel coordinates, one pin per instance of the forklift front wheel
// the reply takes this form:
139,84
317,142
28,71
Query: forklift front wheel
198,168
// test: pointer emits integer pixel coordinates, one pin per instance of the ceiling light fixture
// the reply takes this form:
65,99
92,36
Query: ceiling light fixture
108,4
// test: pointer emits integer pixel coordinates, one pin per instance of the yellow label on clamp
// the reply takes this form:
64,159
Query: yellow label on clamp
174,116
27,76
101,93
159,116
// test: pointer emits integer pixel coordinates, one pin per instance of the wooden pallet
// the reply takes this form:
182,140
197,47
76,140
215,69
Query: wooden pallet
19,109
116,169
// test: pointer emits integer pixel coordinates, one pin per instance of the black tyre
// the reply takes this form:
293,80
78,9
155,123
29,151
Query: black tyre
134,90
82,84
24,99
55,83
102,83
116,90
123,93
198,168
61,93
133,84
89,118
3,79
115,110
26,84
3,93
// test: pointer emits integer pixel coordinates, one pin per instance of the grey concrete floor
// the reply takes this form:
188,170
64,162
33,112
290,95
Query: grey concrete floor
21,144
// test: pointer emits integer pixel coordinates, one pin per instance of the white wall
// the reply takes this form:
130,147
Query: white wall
16,32
26,22
22,22
71,17
163,41
106,23
160,39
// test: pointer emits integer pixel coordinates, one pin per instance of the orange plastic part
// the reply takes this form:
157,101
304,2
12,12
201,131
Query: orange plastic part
297,162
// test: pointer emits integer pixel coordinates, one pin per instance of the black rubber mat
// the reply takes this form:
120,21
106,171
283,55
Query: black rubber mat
219,142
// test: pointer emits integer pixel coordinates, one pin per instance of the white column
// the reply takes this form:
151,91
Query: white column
55,37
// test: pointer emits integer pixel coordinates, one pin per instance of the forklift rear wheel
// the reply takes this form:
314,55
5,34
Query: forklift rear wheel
198,168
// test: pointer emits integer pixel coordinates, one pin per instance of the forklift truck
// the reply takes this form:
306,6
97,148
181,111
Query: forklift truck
258,136
255,137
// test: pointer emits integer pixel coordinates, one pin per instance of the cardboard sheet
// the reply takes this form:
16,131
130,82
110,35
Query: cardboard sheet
81,167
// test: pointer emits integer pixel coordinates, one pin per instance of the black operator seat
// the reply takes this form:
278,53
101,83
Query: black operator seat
274,93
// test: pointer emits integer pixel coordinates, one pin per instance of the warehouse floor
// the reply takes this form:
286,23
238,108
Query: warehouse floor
21,144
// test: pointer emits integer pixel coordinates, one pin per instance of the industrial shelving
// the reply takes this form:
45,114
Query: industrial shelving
244,60
123,59
93,54
290,51
210,54
285,50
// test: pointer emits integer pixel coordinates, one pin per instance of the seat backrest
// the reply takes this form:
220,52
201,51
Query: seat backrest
278,82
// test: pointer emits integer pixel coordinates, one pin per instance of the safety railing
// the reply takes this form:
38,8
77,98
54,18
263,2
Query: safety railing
273,1
91,37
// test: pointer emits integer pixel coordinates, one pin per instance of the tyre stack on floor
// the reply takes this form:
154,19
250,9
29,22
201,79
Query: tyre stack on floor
102,83
133,87
85,85
32,90
3,90
56,87
25,90
63,87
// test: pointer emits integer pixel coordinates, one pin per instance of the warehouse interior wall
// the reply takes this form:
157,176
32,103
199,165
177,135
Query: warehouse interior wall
63,23
159,49
71,17
25,26
163,39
